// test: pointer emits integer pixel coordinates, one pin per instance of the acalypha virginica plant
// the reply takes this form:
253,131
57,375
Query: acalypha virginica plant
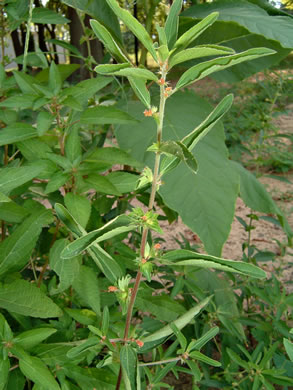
133,351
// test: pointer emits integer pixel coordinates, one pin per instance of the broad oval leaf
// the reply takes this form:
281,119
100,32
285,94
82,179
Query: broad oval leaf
108,40
47,16
199,71
198,52
138,30
24,298
128,359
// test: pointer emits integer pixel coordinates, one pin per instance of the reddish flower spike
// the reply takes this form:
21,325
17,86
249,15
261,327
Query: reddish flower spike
112,288
148,112
139,343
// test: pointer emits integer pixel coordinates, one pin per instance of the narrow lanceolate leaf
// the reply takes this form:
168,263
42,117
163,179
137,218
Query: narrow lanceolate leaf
30,338
34,369
109,42
24,298
198,133
190,35
182,257
199,71
17,132
14,177
15,250
104,261
198,344
87,286
118,225
198,52
137,29
103,115
126,72
108,69
205,359
4,372
171,26
141,91
179,322
289,348
128,361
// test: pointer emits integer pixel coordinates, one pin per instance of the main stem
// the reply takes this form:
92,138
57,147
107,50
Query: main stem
150,207
27,37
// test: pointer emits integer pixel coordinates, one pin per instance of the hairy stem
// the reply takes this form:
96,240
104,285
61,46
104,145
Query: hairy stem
27,37
150,206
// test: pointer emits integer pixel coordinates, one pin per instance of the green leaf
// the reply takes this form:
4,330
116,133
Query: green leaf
22,101
17,132
189,36
65,45
108,69
171,25
16,380
289,348
102,115
101,184
65,71
202,358
213,205
199,71
30,338
112,156
26,83
47,16
129,72
4,198
72,145
252,17
55,81
11,178
66,270
24,298
103,260
44,121
188,258
79,206
198,52
34,369
86,285
128,361
101,12
108,40
83,316
56,181
4,372
137,29
125,182
179,322
118,225
198,344
83,347
16,249
90,378
12,212
141,91
8,116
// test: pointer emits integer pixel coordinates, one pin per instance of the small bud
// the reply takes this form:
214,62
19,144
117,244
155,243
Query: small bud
148,112
162,81
112,288
143,261
157,246
139,343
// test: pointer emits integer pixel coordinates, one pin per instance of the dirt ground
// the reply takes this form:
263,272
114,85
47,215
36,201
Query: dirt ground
266,236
